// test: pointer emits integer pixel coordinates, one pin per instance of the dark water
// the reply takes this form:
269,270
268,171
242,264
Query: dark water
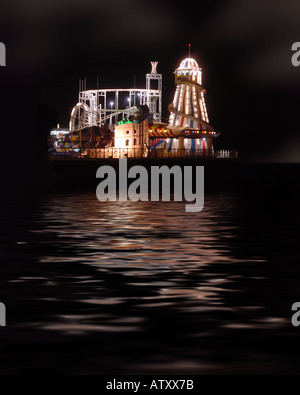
145,288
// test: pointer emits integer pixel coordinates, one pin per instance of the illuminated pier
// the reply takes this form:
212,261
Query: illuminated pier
127,123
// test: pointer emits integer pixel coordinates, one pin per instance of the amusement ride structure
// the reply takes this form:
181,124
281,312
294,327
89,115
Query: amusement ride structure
189,129
188,108
128,122
97,107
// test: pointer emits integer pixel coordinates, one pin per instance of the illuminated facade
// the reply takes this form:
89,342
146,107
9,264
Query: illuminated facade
189,130
132,139
188,108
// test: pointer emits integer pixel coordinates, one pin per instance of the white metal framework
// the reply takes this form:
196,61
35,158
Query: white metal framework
155,96
96,107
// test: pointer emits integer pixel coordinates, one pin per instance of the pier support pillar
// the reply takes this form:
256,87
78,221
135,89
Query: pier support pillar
180,146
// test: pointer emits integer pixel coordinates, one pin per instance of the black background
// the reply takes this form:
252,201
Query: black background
244,48
253,92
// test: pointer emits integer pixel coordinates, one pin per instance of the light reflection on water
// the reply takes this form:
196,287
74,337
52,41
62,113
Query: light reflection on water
140,284
143,241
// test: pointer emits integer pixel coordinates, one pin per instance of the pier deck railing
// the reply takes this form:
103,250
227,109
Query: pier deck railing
116,153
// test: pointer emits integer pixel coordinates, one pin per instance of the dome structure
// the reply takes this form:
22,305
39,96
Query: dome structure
189,67
189,64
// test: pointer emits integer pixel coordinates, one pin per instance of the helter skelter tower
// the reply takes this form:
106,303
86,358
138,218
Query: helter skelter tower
188,109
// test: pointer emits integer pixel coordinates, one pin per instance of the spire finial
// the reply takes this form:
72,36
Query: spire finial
189,50
154,67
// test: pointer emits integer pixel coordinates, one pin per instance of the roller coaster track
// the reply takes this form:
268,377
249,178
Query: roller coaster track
85,122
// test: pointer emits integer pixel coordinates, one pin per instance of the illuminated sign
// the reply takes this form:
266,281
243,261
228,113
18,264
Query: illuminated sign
182,79
59,132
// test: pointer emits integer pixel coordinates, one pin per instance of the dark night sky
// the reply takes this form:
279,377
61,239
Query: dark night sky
243,46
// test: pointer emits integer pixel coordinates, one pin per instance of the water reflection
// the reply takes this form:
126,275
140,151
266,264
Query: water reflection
155,247
138,286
